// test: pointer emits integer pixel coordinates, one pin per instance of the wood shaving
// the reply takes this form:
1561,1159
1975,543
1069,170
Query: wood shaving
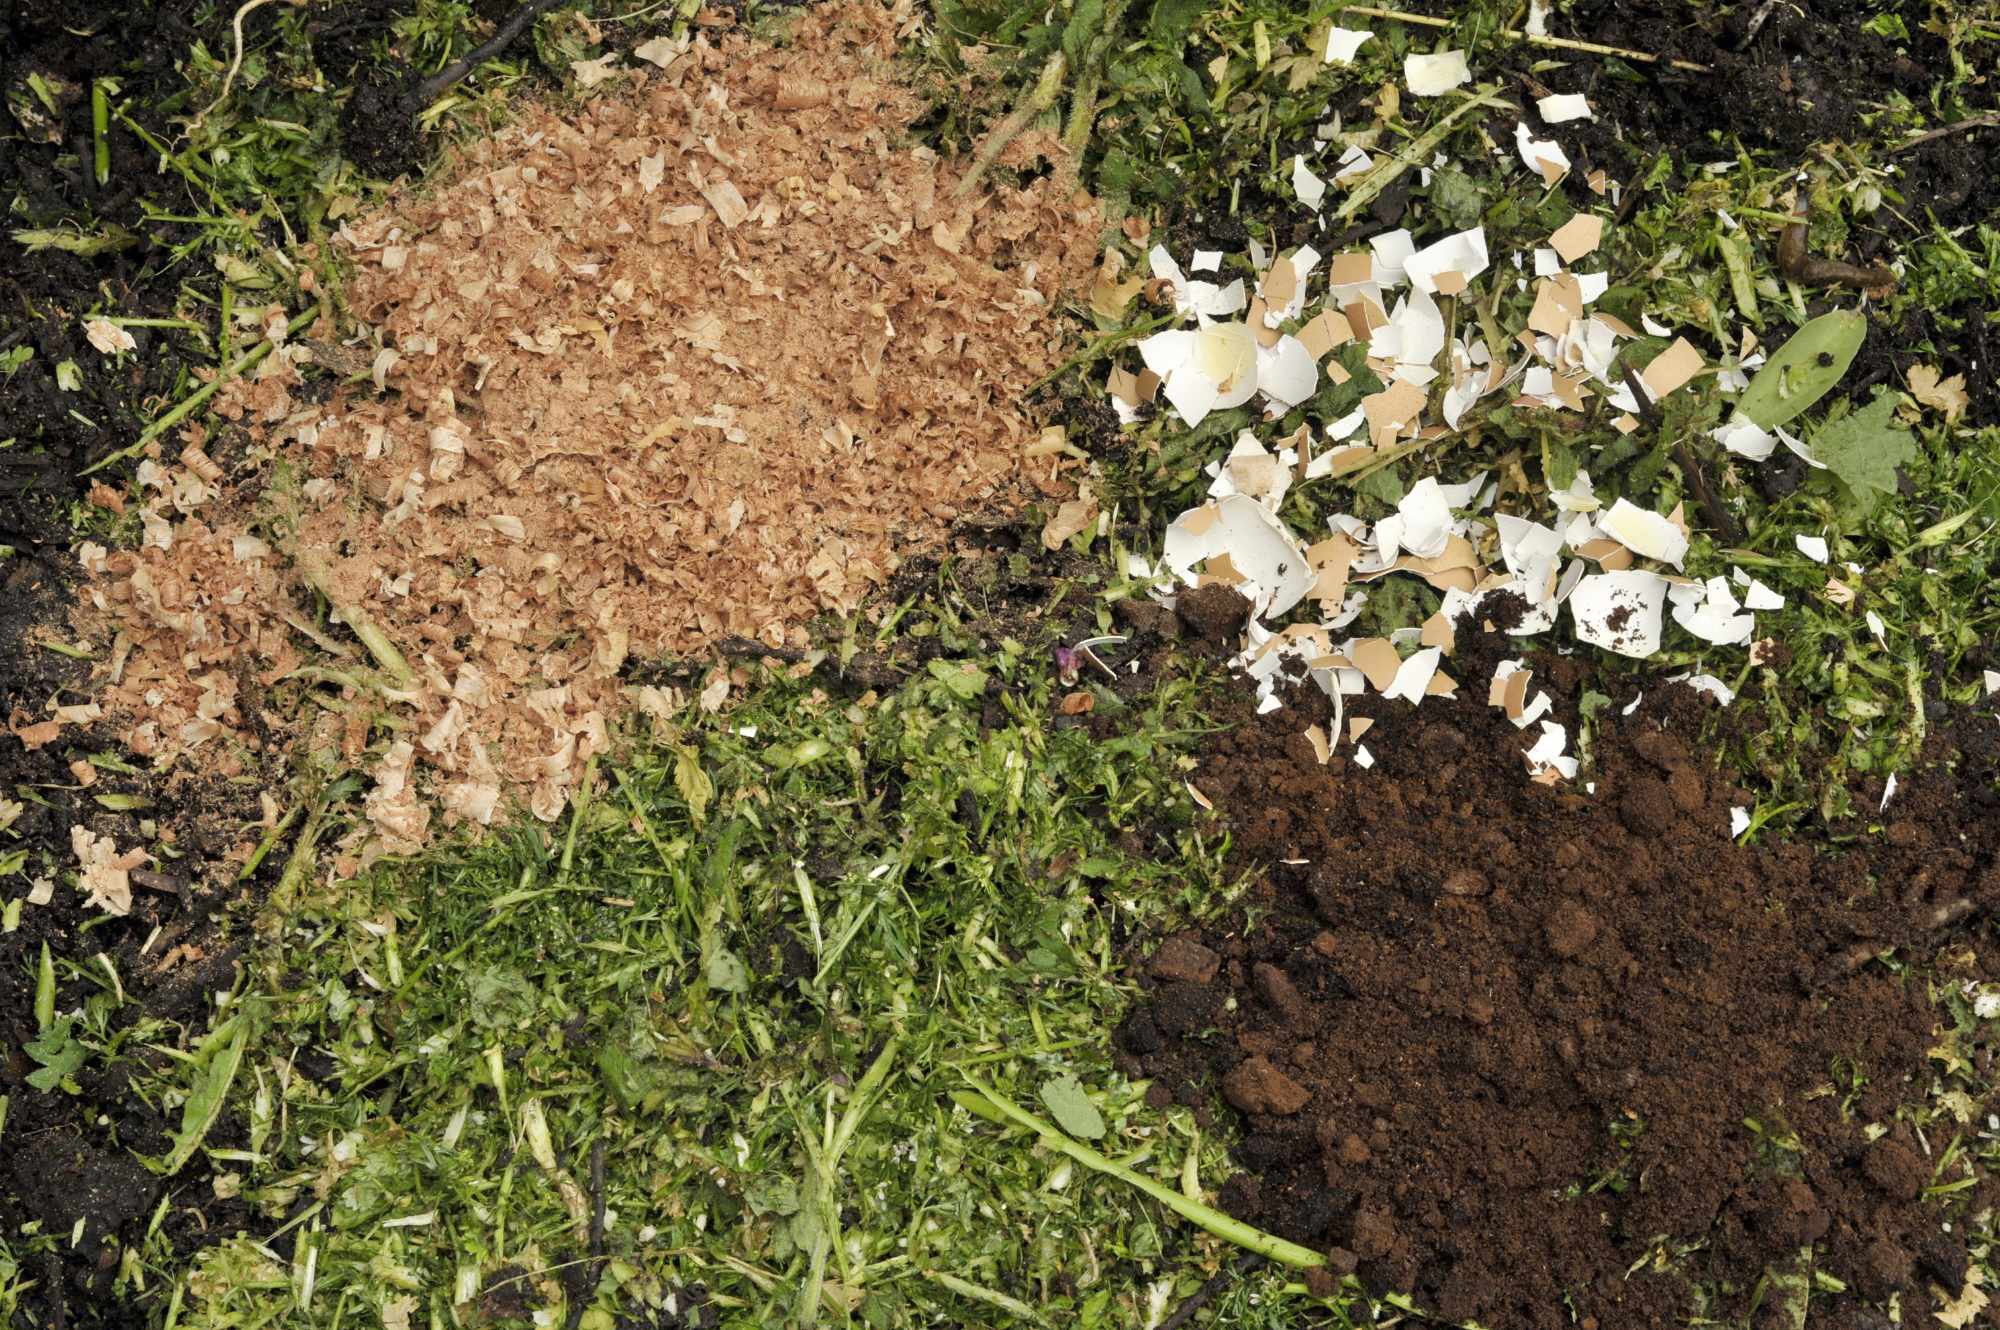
695,362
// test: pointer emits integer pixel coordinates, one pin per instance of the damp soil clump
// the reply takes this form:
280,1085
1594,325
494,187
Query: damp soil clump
1532,1054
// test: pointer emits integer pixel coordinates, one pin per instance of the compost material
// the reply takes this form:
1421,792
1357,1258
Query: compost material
1540,1056
694,362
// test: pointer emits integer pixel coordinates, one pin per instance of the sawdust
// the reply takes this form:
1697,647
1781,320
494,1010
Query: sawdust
694,362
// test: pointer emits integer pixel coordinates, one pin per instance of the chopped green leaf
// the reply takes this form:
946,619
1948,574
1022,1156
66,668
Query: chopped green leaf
1805,369
1069,1104
1865,447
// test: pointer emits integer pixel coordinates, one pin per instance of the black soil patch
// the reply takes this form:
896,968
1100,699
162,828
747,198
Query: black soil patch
69,1161
1494,1043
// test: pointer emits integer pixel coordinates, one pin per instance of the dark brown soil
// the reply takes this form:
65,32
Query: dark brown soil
1807,76
1492,1043
72,1157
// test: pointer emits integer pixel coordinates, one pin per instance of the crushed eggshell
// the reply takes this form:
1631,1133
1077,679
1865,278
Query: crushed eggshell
1645,532
1672,368
1436,74
1620,612
1342,43
1561,108
1578,236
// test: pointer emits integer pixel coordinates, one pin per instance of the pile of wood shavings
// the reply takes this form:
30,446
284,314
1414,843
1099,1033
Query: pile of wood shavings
691,363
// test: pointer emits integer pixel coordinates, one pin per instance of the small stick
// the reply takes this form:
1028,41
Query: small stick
1795,263
1211,1286
428,90
1991,120
1535,39
1713,513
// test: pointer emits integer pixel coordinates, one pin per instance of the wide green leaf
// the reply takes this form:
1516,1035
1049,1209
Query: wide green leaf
216,1067
1069,1104
1865,447
1805,369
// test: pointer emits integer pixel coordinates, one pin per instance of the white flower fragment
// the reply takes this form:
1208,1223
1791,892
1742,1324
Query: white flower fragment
1437,74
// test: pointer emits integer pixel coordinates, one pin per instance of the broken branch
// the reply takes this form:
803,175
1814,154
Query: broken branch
436,84
1537,39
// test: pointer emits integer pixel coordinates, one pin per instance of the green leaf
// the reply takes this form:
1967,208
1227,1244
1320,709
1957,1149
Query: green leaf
1805,369
1937,533
223,1051
1171,20
1865,447
1070,1106
962,679
692,782
725,972
45,990
58,1054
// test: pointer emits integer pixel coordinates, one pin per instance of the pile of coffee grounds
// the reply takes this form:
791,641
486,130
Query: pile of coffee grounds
1500,1045
699,360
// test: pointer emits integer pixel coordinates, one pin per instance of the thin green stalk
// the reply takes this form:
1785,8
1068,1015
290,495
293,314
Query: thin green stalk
965,1288
193,401
995,1107
379,646
578,806
1101,348
825,1158
1036,100
1417,153
45,991
270,841
100,130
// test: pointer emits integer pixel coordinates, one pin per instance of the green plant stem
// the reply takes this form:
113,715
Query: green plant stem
992,1105
100,130
193,401
1101,348
314,570
965,1288
1419,151
269,843
45,991
1038,99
